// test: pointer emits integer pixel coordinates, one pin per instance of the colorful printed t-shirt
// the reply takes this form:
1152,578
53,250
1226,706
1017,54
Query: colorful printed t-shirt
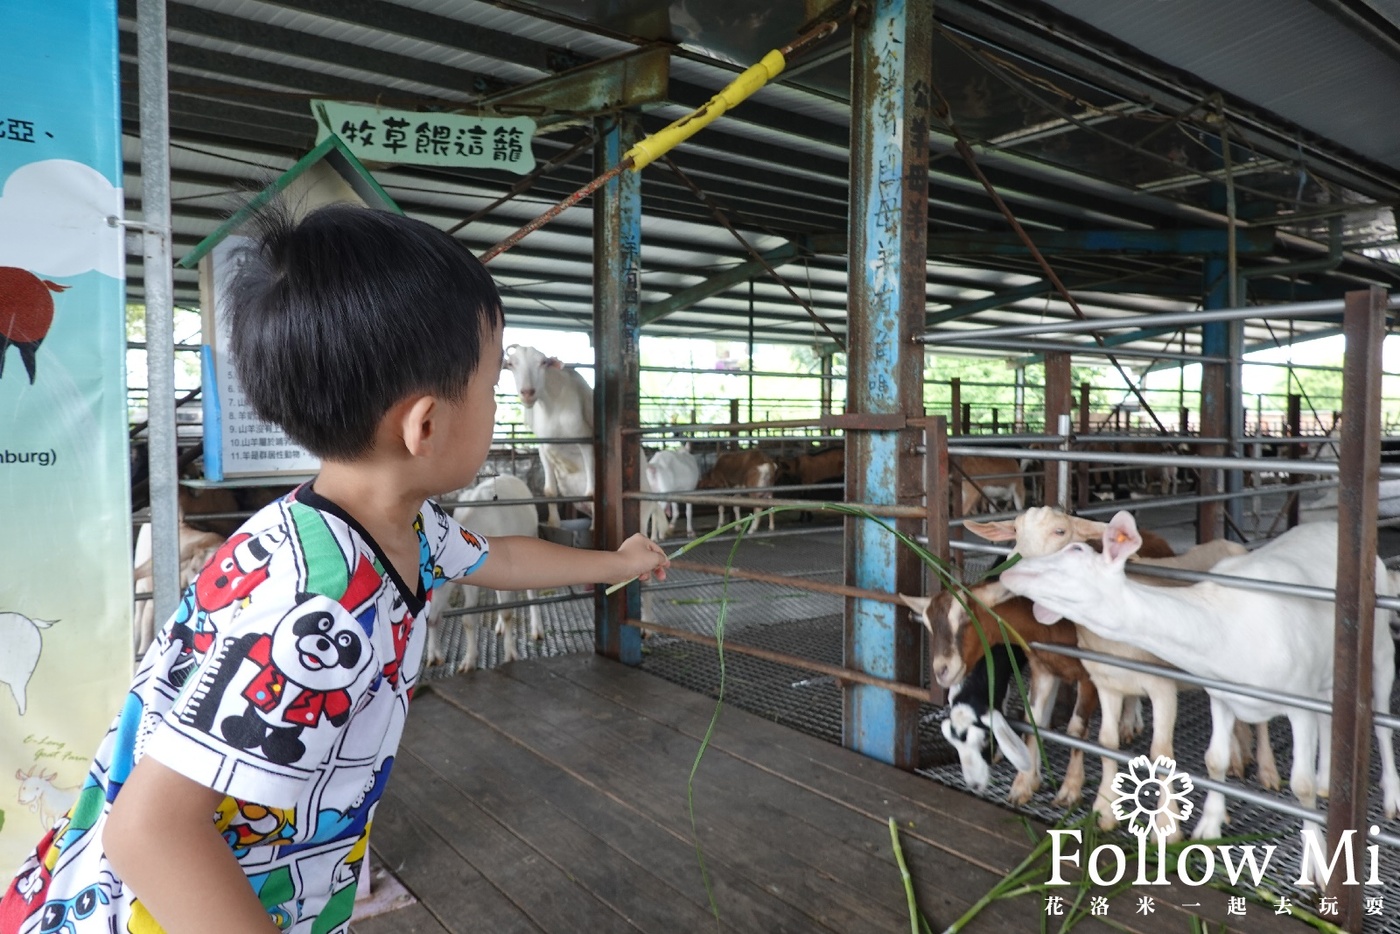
282,680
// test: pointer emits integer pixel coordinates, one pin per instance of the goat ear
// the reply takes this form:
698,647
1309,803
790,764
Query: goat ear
1044,615
1011,743
554,363
1004,531
1120,538
1086,530
919,605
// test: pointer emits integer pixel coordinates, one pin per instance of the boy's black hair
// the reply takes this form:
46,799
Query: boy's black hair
339,315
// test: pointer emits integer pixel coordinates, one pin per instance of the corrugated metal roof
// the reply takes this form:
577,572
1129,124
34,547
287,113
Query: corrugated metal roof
1288,56
244,71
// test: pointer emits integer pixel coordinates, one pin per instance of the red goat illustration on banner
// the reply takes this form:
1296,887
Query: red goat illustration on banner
26,312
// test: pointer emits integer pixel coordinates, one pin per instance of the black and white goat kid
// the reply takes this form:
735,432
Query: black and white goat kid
975,712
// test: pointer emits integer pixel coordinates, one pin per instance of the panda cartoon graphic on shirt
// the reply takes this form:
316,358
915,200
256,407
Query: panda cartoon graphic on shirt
265,689
298,679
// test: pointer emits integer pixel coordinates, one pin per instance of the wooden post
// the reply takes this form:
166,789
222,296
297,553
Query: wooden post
1057,403
936,484
955,408
1359,464
1081,471
1295,452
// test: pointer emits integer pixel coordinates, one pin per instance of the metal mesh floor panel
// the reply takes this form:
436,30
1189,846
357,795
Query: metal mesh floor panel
568,630
811,627
784,619
1191,738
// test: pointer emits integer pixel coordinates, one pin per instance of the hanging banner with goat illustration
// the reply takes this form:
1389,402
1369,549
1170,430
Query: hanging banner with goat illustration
65,558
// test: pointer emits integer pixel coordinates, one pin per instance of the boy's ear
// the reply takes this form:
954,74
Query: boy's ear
417,423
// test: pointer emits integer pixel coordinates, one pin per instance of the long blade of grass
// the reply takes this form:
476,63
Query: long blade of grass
743,525
908,879
1011,885
1015,883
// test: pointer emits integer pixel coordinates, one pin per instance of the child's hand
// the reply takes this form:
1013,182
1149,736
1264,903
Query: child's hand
641,556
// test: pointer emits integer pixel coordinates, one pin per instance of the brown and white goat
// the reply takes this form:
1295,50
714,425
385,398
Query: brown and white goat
739,470
985,479
957,648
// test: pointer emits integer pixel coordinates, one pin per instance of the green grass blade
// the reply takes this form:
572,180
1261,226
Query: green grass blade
908,879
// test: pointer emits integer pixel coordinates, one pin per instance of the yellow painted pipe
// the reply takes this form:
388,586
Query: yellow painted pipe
736,92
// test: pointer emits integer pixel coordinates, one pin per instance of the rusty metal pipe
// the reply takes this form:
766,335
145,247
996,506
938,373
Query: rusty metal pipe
800,583
834,671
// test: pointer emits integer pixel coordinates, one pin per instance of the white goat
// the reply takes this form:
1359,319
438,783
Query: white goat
39,791
674,472
557,403
21,644
489,521
1044,530
1266,640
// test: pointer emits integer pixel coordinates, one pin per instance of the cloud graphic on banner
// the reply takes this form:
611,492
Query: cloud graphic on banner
53,220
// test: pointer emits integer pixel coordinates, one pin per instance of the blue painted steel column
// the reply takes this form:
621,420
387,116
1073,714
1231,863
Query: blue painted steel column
890,80
617,255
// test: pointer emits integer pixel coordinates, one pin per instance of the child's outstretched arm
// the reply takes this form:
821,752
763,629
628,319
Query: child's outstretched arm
523,563
161,839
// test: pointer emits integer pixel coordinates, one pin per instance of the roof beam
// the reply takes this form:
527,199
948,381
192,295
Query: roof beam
731,277
1160,288
454,34
1250,241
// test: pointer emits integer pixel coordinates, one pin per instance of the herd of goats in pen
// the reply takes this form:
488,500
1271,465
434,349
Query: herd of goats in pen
1071,587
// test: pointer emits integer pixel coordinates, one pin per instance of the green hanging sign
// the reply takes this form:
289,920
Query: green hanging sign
406,137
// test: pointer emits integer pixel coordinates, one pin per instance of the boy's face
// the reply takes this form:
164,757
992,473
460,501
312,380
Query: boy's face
473,418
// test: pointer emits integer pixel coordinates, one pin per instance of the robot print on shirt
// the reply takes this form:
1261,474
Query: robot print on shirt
239,566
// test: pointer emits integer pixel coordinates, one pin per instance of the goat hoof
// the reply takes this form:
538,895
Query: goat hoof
1206,831
1107,821
1023,788
1067,796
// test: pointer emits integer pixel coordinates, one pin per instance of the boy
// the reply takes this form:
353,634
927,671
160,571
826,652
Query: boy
235,790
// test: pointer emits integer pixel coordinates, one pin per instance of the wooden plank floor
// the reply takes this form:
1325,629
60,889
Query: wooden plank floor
550,796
